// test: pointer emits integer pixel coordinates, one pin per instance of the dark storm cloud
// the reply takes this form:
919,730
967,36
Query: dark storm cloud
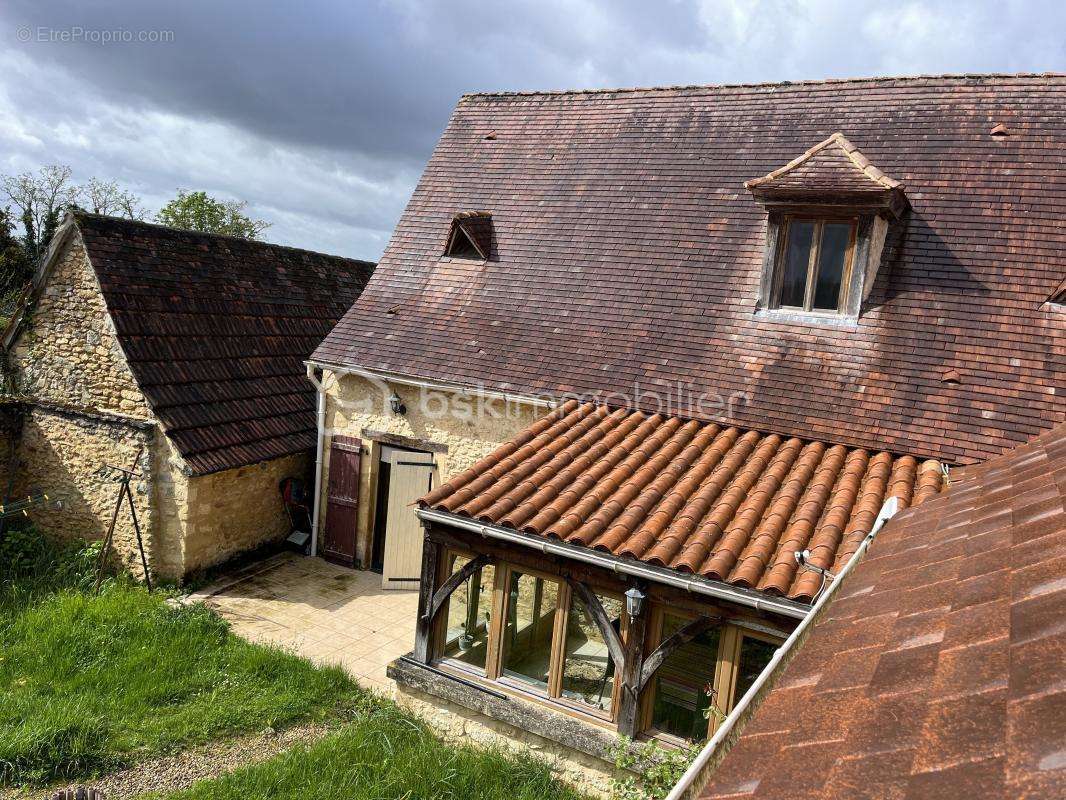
322,114
377,78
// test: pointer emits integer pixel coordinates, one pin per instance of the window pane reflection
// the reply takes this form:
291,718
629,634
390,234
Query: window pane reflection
681,683
527,638
755,654
588,671
469,614
831,254
797,258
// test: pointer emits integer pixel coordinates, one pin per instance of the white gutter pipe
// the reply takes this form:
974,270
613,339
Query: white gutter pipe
703,586
679,791
319,455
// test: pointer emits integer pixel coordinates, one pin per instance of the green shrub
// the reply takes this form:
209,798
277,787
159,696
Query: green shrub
659,769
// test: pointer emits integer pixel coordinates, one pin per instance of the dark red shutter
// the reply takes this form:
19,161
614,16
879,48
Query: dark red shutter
342,501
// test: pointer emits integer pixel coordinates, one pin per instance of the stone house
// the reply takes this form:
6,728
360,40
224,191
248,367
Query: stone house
187,348
641,371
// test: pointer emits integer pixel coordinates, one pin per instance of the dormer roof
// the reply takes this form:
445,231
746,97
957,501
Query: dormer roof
832,169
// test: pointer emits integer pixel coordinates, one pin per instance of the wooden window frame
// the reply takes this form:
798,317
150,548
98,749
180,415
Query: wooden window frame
440,623
729,680
493,672
725,668
810,287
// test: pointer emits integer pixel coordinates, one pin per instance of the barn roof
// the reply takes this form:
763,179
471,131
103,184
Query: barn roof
627,256
216,330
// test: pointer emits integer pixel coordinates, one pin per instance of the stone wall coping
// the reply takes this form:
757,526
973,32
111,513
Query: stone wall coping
85,413
559,728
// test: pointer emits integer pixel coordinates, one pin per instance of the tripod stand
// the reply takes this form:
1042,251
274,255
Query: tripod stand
123,476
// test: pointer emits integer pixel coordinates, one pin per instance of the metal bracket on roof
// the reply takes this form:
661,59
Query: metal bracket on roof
803,558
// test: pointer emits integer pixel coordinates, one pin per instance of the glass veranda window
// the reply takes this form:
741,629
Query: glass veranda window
681,697
469,615
529,626
814,264
588,669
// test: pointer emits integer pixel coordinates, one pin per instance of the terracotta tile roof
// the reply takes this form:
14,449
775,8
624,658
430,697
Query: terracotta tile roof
703,498
216,330
938,672
629,254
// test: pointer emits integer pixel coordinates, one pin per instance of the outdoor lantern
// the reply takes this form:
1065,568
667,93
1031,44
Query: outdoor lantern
396,404
634,602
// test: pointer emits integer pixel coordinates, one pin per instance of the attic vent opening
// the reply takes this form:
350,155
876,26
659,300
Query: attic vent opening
999,131
470,236
1058,297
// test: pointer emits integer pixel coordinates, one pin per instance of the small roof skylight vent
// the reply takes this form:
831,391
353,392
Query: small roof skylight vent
1058,297
999,131
952,377
471,236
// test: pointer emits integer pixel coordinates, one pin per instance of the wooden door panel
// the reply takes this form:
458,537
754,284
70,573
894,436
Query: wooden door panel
342,502
411,476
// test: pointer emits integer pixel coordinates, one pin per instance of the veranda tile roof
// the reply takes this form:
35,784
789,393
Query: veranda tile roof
937,672
702,498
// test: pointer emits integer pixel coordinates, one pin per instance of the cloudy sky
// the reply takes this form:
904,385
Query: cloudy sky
322,114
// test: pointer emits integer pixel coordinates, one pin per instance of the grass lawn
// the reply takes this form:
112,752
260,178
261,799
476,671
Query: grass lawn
88,683
385,754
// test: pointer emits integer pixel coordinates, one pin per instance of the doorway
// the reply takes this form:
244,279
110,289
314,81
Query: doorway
404,475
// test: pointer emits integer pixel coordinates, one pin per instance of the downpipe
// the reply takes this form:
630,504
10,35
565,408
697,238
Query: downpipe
319,447
680,790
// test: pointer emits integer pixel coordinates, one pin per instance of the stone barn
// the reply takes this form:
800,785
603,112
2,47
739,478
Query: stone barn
187,348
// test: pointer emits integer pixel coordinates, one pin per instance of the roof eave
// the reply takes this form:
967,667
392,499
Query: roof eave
696,584
892,201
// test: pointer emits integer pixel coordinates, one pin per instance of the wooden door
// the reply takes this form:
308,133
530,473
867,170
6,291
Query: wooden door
410,477
342,501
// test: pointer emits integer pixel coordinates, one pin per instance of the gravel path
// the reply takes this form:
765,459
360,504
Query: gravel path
170,773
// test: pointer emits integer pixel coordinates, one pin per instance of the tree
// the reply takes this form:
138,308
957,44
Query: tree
197,211
16,268
105,197
39,200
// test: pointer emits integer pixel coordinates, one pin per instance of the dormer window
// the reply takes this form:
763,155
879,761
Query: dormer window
814,264
470,236
828,214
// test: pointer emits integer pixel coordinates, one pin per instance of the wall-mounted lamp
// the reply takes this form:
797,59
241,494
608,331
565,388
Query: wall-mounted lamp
634,602
396,404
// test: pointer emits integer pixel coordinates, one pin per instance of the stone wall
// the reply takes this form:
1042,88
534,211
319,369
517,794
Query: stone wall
83,411
229,512
64,456
86,410
470,428
461,726
68,352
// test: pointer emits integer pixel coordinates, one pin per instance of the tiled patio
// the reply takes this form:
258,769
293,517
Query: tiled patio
323,612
